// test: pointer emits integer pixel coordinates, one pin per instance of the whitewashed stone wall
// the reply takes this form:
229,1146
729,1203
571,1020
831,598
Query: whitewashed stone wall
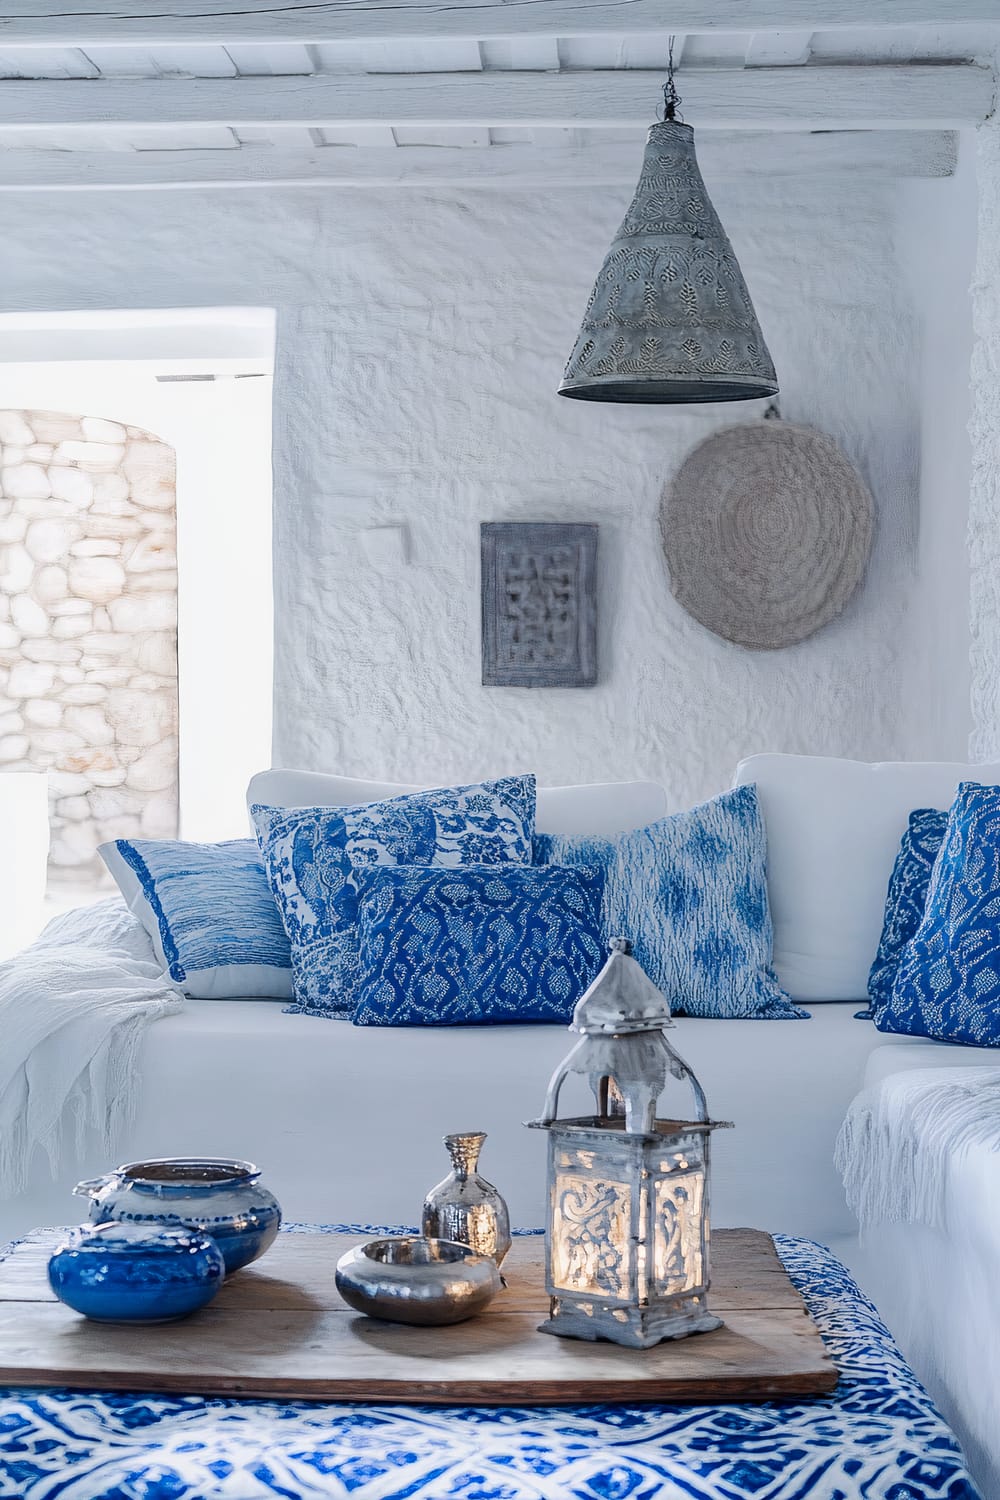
88,627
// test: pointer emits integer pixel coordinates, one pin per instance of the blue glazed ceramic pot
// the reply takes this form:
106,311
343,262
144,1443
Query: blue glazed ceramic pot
219,1196
136,1273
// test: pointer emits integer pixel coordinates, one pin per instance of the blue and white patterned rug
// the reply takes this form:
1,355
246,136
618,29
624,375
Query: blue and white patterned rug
877,1437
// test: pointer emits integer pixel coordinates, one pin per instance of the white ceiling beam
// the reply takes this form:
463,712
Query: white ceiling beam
887,155
121,22
785,49
811,98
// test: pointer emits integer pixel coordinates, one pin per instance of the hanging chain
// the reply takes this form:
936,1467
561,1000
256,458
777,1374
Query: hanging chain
671,98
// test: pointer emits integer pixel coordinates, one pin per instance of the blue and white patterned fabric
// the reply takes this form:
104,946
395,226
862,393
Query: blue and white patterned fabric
947,985
209,912
486,943
905,901
310,854
690,892
878,1436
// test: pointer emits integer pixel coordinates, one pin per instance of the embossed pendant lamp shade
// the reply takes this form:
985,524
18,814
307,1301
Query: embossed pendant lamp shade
670,319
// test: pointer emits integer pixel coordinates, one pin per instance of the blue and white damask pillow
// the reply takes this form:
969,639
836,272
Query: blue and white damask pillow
905,901
484,944
690,891
209,912
947,985
311,854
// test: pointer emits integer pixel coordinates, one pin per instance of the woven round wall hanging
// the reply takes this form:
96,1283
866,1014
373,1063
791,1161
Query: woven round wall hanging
767,529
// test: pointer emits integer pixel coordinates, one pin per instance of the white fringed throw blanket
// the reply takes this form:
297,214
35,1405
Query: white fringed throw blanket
898,1144
73,1008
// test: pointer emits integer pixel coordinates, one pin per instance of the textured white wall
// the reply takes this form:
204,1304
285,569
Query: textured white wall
420,340
984,428
436,366
936,248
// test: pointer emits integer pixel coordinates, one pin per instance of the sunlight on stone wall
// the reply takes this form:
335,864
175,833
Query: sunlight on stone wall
88,628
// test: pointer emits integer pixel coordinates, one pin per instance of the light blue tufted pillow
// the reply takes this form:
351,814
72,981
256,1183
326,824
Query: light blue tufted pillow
690,892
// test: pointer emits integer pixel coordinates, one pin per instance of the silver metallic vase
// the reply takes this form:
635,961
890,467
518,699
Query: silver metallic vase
465,1207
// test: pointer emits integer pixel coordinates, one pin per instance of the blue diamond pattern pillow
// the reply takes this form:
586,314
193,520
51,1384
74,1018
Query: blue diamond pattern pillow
947,985
487,943
691,893
905,901
311,854
209,912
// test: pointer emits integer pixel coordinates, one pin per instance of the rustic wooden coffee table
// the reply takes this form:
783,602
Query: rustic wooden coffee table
280,1329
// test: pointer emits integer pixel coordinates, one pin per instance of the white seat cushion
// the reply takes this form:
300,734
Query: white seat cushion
905,1053
604,808
833,832
346,1121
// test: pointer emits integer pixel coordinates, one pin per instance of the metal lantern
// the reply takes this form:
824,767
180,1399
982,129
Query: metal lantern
627,1237
670,318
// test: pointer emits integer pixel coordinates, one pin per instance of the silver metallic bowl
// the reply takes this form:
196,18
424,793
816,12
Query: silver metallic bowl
417,1280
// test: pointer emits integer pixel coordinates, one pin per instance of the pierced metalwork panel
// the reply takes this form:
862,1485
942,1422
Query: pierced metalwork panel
539,584
591,1253
677,1229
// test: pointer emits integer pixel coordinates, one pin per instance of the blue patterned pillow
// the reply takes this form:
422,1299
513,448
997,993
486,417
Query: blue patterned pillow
482,944
947,985
905,901
691,893
310,855
209,912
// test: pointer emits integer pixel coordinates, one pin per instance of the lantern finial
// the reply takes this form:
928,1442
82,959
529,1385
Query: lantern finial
621,999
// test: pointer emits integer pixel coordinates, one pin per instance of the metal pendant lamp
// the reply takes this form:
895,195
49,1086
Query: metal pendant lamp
670,319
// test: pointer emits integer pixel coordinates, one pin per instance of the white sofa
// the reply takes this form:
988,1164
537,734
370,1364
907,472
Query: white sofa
346,1122
937,1286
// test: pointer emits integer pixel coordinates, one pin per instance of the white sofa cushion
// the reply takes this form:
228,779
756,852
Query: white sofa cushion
346,1121
833,831
605,807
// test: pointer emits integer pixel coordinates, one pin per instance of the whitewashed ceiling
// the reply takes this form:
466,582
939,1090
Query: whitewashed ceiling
119,95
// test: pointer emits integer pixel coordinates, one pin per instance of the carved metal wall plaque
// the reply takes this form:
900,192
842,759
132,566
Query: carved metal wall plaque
539,604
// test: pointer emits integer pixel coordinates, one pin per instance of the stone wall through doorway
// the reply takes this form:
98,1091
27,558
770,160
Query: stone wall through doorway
88,628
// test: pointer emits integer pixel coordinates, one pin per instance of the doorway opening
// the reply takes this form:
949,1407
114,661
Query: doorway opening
135,574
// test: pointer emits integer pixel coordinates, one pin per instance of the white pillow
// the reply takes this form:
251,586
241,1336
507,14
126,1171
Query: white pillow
604,808
833,832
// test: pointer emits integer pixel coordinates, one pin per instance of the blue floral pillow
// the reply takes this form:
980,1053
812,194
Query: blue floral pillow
905,901
209,912
947,985
691,893
311,855
482,944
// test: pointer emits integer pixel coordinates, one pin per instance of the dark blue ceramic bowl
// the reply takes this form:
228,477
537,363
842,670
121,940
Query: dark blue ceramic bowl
136,1273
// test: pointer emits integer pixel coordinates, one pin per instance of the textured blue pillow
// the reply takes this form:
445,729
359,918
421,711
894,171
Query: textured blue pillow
947,985
905,901
482,944
691,893
209,912
310,855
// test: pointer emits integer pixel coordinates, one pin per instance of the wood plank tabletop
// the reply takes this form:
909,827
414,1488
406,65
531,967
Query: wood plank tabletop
280,1329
